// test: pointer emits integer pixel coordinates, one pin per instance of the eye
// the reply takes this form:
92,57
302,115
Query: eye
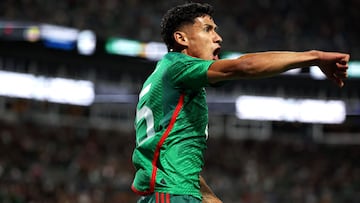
207,28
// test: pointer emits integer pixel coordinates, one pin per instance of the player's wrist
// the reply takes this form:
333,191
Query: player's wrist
315,56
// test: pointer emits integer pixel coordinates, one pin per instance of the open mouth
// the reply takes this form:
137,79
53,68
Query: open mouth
216,53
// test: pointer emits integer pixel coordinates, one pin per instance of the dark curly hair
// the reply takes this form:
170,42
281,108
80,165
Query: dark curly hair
179,16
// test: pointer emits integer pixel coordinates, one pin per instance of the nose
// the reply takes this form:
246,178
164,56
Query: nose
218,38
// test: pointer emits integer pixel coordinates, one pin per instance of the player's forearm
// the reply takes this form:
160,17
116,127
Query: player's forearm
260,65
267,64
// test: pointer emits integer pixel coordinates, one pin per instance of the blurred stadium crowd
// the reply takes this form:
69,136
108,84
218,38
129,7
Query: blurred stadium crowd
246,25
76,163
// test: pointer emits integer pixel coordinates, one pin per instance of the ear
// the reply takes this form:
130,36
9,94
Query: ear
180,38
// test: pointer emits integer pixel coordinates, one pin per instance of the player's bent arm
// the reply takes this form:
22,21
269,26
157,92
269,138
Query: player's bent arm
207,194
266,64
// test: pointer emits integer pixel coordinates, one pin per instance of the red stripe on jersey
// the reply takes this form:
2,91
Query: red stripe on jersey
167,198
157,197
142,193
162,140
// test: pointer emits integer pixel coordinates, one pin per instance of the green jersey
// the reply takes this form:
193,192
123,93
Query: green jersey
171,127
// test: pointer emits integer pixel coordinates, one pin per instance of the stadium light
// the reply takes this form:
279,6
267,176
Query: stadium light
354,69
290,110
124,47
57,90
86,42
58,37
149,50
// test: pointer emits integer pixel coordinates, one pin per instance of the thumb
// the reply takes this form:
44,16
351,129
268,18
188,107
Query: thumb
337,80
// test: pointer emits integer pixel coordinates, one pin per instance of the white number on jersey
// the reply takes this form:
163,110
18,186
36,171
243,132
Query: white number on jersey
145,113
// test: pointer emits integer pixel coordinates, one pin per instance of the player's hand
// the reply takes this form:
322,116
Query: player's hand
208,195
208,198
334,66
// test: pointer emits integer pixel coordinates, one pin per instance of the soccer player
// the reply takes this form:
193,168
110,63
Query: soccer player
172,114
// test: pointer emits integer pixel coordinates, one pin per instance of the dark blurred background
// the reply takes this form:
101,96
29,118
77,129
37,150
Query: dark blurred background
70,72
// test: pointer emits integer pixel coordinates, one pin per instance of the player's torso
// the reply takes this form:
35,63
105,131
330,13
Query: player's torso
173,120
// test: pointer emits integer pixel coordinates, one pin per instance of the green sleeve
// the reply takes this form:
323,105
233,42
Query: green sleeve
189,73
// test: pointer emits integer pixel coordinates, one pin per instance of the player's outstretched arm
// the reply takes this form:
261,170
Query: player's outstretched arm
266,64
207,193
